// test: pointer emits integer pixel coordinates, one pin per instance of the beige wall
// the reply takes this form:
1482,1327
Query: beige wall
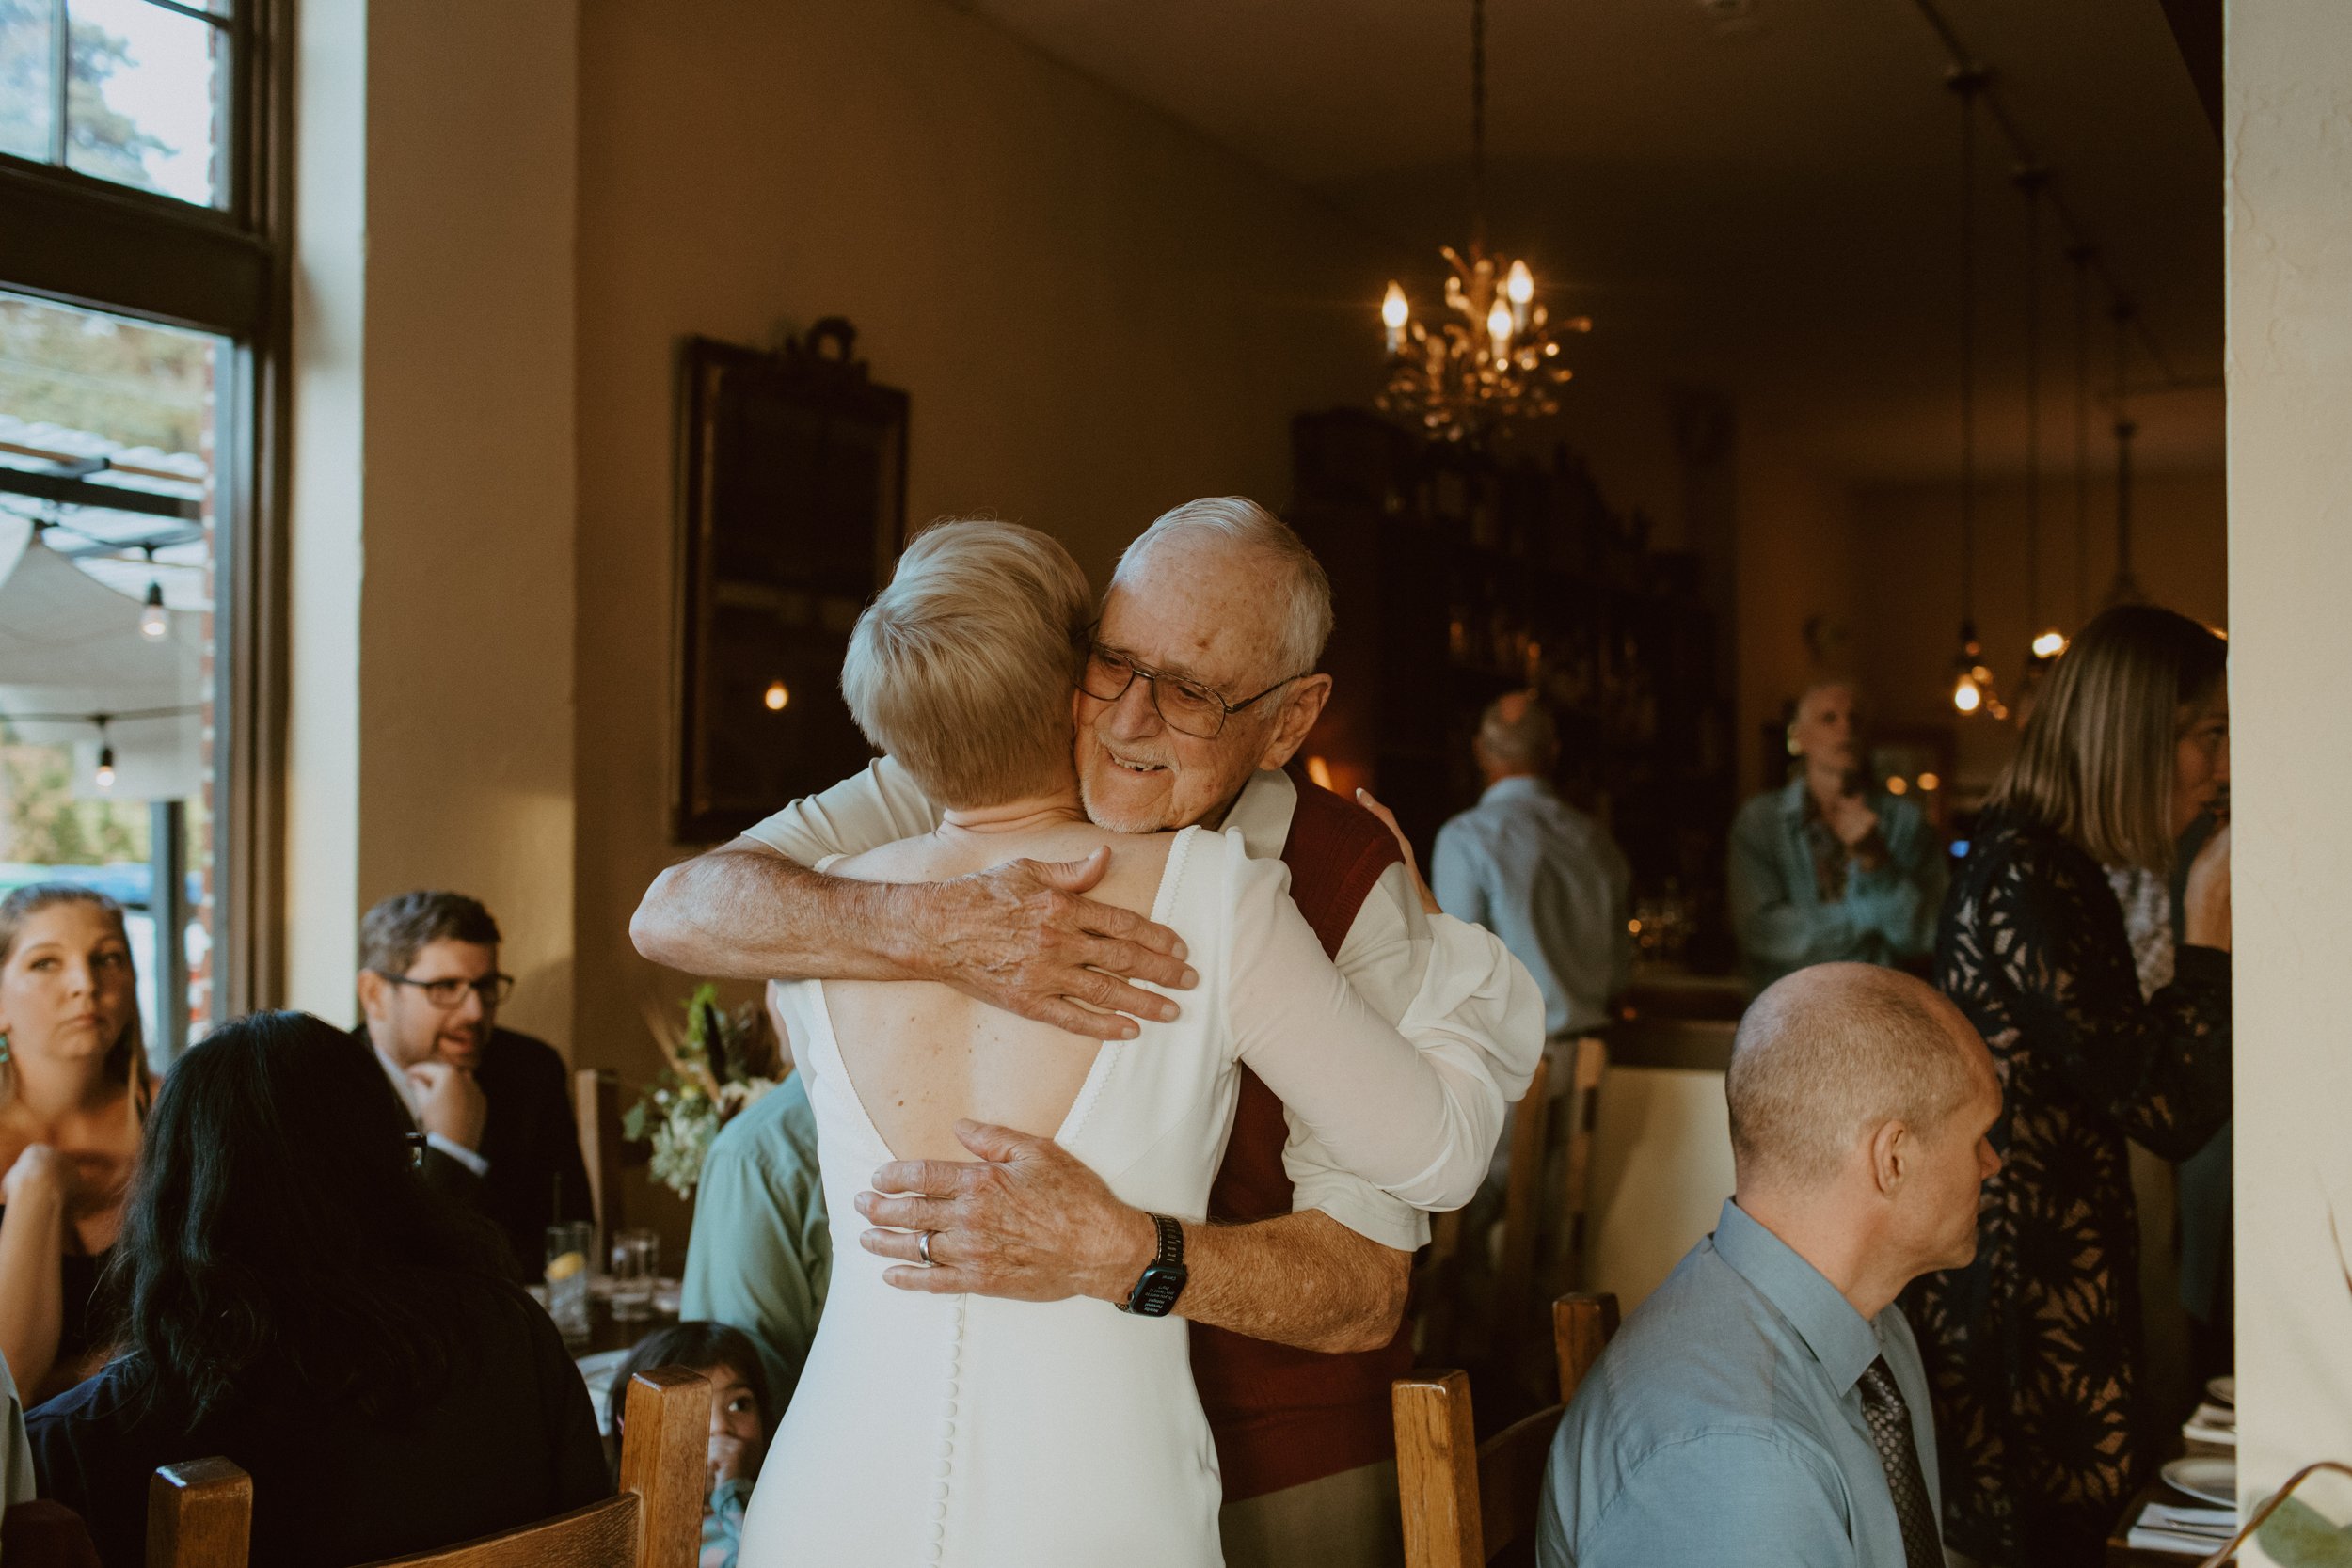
2290,335
1097,315
431,729
1796,561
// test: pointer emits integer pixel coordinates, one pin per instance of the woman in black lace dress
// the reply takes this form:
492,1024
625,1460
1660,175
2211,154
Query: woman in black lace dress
2034,1349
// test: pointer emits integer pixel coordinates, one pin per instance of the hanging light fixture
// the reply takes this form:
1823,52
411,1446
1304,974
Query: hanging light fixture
1973,687
1494,355
154,621
105,778
2049,642
2125,588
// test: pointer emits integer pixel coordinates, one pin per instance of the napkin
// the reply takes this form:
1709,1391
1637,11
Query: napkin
2191,1531
2212,1423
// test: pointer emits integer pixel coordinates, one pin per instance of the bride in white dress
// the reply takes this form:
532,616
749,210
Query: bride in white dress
954,1430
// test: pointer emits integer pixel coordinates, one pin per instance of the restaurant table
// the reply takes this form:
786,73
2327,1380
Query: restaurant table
608,1332
2121,1556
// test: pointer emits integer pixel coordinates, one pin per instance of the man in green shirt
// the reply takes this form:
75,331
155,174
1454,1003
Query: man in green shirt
760,1256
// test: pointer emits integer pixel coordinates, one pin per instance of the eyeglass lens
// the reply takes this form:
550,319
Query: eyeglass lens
1193,710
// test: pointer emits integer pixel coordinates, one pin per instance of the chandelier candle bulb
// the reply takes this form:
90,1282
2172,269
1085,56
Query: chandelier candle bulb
1395,313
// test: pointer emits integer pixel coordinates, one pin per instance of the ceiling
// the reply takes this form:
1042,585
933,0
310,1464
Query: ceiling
1756,195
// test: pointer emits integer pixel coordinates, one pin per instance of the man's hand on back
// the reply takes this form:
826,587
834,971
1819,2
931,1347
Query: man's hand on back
1027,1221
1022,936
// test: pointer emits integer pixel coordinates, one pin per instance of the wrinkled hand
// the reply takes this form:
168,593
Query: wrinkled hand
450,1102
39,1176
1020,936
2206,901
1026,1221
1428,899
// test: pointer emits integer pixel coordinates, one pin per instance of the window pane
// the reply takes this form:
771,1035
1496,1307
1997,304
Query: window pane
28,77
144,95
107,440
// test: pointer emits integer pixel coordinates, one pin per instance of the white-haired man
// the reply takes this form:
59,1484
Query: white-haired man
1199,686
1766,1407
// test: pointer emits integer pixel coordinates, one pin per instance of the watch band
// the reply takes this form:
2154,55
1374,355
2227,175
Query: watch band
1163,1279
1172,1241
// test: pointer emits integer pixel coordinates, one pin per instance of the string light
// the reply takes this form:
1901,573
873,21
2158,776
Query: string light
105,757
154,621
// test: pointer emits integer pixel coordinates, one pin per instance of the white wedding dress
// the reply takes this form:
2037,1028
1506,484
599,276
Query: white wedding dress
971,1431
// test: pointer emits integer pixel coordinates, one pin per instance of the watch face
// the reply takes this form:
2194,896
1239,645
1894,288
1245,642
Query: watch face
1157,1290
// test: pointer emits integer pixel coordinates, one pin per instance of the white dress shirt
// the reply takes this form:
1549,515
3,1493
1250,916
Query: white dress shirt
1385,957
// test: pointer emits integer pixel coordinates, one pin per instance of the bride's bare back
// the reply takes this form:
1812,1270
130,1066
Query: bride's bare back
922,1055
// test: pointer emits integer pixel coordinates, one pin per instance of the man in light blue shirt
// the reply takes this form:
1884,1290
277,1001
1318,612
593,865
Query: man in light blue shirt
1538,873
1831,868
1766,1407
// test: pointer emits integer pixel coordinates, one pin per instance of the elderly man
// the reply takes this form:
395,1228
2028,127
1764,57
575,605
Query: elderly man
1199,687
1766,1407
1832,869
1535,871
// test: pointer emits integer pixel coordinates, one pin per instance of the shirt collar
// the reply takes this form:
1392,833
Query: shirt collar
401,1086
1792,798
1518,787
1840,1338
1262,814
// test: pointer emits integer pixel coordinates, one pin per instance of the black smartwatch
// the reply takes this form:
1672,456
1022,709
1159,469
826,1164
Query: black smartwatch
1163,1278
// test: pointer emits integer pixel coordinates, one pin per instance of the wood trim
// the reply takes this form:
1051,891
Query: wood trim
199,1514
665,1458
1437,1470
74,239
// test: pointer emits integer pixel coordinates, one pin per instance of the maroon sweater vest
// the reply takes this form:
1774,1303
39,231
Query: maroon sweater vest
1285,1416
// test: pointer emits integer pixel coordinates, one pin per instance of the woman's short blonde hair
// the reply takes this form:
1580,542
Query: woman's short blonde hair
962,668
2096,758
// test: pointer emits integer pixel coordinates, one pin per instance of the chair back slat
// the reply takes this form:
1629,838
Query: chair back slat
1581,1327
602,1535
665,1458
1437,1470
199,1514
1522,1200
1511,1479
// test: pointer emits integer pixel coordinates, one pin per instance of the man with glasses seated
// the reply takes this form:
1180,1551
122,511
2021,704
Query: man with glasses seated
494,1106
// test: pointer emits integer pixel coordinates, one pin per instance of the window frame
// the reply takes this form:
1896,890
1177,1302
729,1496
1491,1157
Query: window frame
91,243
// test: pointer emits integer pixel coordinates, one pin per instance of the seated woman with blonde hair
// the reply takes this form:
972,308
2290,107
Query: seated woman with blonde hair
943,1427
73,1089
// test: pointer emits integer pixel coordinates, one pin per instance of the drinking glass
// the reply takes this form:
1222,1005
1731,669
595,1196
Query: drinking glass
636,1262
569,1246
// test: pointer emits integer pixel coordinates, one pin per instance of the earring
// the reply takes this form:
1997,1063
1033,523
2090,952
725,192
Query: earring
4,1048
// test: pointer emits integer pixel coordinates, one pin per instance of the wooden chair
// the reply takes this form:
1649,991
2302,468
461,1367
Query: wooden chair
1467,1502
199,1514
1439,1275
1588,1060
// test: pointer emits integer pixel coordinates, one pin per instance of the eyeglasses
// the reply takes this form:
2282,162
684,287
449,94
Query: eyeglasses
446,995
1186,706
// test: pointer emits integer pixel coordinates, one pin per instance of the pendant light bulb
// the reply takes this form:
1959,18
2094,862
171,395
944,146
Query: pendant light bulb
154,621
2049,645
776,696
105,776
1966,695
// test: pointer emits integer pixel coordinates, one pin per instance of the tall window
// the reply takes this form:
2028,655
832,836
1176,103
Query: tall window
142,321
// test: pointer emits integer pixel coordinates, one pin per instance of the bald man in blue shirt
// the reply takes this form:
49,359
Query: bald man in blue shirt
1766,1406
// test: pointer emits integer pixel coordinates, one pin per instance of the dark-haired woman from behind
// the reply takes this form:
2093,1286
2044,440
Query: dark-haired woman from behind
291,1295
2034,1349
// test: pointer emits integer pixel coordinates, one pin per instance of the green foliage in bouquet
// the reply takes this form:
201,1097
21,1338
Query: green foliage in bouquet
721,1063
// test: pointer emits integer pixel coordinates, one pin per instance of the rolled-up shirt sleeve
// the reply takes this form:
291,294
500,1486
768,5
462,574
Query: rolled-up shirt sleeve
865,811
1413,1106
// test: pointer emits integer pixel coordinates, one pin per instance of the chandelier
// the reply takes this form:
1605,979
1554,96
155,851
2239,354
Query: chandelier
1493,356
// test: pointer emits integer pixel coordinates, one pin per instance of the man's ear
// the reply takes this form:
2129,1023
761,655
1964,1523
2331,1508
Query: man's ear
1301,707
374,995
1892,1150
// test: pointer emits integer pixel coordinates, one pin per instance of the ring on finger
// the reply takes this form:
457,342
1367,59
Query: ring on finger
923,1245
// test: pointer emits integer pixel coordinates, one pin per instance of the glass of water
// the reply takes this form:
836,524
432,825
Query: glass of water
636,1266
569,1247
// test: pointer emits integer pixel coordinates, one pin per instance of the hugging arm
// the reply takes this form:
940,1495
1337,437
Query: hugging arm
1020,936
32,1287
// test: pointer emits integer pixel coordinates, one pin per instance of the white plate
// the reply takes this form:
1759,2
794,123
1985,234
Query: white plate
2213,1480
2223,1390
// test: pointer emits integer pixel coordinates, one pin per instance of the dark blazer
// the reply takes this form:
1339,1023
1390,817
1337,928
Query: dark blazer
531,1143
510,1439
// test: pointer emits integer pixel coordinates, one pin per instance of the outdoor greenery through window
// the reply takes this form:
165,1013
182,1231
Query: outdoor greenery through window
130,91
108,561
